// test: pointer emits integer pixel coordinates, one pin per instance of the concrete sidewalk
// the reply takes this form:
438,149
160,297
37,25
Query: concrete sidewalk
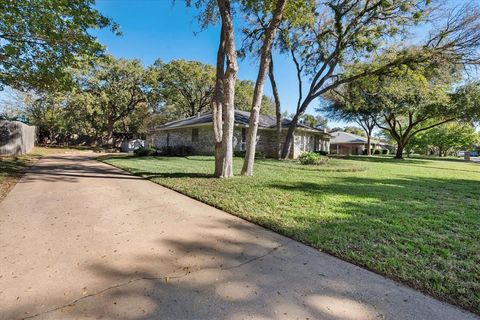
82,240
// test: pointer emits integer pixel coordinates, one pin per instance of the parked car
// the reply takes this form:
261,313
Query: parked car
472,153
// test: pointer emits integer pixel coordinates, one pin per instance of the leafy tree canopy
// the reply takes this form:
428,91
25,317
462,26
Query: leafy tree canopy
40,39
447,138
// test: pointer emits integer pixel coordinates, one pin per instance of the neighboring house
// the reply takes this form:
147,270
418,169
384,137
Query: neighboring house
197,132
349,143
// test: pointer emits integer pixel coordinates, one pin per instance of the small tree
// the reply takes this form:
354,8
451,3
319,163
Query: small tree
351,102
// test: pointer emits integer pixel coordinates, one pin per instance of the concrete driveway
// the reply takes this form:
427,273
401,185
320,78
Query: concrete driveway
82,240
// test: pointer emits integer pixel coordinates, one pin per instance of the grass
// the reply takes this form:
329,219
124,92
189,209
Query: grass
12,168
416,221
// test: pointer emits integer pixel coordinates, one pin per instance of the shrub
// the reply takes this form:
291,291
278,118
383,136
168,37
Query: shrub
258,155
385,151
145,152
312,158
179,151
377,151
323,153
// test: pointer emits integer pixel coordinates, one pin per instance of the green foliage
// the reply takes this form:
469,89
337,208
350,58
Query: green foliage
350,129
312,158
145,152
447,138
184,87
405,101
178,151
258,154
40,39
468,96
111,96
244,97
108,94
314,121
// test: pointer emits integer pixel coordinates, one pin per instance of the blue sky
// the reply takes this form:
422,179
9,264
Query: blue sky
154,29
168,30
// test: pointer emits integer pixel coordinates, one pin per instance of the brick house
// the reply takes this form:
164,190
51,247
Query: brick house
197,132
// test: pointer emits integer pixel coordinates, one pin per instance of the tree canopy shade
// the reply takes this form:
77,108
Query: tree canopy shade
39,39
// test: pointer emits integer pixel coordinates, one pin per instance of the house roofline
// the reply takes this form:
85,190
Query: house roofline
198,125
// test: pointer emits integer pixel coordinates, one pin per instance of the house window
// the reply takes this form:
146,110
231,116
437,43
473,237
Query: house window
195,135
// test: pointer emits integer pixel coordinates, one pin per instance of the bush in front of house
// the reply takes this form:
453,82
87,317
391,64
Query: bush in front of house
258,155
145,152
312,158
178,151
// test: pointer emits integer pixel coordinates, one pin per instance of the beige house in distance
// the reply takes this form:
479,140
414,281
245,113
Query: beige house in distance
346,143
197,133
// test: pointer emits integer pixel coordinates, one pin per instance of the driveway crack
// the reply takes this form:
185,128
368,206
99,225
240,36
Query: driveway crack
166,278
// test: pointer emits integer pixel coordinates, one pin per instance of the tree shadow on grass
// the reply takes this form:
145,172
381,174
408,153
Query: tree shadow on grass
172,175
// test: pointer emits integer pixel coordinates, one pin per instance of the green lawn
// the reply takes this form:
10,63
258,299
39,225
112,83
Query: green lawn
417,221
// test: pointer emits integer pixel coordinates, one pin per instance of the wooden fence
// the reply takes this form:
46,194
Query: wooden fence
16,138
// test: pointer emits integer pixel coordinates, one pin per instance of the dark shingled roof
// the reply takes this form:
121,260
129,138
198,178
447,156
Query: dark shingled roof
241,118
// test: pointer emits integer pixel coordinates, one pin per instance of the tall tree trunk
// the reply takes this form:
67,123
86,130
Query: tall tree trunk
229,79
400,148
217,105
289,137
278,109
369,144
265,56
109,137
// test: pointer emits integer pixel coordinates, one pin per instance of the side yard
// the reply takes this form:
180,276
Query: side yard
415,221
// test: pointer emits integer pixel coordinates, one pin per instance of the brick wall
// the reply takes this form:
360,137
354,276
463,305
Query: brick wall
205,144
